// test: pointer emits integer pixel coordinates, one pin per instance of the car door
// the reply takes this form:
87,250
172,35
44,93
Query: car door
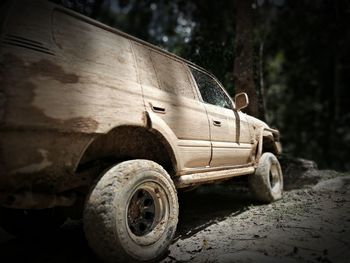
170,95
229,129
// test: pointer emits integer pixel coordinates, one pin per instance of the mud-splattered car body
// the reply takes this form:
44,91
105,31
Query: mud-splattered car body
96,120
76,95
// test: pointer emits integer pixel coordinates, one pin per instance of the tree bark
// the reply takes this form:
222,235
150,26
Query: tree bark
243,64
261,84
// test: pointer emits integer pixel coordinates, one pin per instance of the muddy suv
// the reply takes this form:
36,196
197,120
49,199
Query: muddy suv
96,119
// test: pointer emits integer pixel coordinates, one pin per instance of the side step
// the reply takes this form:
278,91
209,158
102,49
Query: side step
208,177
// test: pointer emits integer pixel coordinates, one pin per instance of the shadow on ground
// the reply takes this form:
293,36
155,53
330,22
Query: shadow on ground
198,209
209,205
66,245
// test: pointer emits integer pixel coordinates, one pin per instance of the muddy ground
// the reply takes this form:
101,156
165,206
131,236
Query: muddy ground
222,223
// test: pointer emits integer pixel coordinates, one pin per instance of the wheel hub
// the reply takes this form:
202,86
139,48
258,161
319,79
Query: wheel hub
141,213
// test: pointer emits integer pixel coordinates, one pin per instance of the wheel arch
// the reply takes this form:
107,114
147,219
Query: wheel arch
124,143
268,142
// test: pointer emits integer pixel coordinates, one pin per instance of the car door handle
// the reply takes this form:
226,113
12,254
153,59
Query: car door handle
217,123
158,109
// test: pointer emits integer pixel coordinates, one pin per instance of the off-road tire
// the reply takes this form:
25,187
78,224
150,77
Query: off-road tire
266,183
106,215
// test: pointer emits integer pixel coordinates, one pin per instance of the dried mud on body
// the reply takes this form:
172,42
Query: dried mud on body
221,223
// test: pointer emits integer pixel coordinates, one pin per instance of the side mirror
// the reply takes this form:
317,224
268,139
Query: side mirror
241,100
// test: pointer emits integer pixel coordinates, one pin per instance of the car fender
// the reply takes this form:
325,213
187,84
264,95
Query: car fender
155,123
273,135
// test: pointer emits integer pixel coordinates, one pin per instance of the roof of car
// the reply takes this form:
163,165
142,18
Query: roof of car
119,32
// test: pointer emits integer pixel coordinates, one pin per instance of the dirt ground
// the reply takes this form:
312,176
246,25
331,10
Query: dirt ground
222,223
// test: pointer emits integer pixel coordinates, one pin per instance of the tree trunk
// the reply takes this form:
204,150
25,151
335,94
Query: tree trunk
243,65
261,83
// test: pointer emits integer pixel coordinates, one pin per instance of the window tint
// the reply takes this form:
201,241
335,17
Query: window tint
210,90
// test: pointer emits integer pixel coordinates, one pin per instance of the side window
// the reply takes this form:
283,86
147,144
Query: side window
145,67
172,75
210,90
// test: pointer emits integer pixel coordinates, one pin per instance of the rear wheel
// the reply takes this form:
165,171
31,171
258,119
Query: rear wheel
267,181
132,212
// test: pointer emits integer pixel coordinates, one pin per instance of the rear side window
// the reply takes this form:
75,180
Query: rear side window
172,75
210,90
146,71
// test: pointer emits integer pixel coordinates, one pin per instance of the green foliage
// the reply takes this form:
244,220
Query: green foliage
212,40
308,75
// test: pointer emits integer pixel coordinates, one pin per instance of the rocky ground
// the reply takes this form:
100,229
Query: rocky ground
222,223
311,224
308,225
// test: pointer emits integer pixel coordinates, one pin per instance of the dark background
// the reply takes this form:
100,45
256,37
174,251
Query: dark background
301,59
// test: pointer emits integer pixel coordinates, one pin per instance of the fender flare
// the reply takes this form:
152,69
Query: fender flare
274,135
155,123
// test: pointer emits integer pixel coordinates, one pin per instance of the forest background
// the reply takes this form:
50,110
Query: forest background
298,53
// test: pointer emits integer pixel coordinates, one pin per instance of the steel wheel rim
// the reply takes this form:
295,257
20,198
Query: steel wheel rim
141,212
154,216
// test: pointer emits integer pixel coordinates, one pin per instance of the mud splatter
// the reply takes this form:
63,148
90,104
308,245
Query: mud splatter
47,68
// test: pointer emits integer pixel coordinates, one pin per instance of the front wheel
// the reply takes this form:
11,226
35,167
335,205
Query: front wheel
267,181
132,212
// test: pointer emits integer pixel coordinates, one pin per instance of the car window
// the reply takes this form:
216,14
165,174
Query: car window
210,90
172,75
